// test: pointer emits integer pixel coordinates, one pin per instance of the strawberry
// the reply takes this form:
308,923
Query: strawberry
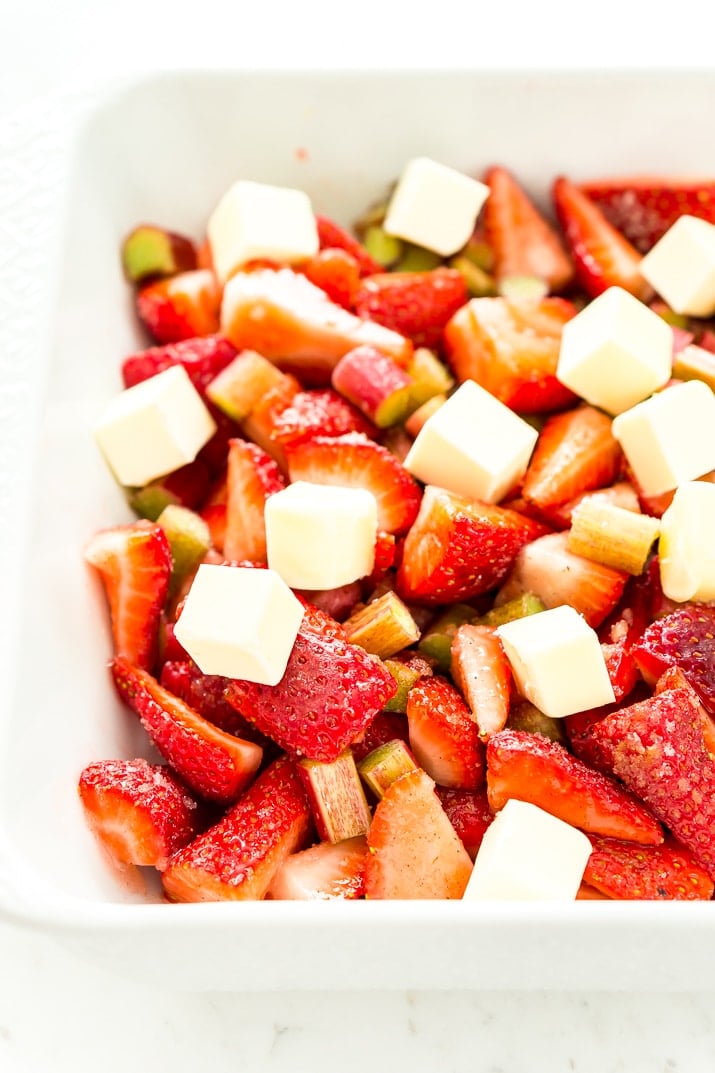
205,694
237,858
657,747
602,257
386,726
354,461
134,563
686,639
621,666
533,768
648,873
459,548
180,307
328,695
215,765
261,424
415,304
512,349
414,850
319,412
469,813
252,477
325,871
140,812
337,273
332,236
203,357
522,240
443,736
576,452
482,673
644,207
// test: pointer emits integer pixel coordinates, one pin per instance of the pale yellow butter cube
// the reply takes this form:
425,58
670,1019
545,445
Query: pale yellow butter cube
434,206
685,548
681,267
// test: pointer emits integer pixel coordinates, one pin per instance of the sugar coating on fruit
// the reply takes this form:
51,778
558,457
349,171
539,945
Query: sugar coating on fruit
528,855
239,622
473,445
557,661
256,221
434,206
615,352
681,267
687,564
321,536
153,428
668,439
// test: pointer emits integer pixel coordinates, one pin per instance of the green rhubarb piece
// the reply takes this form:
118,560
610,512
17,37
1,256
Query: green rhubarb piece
675,320
383,248
380,768
405,677
695,363
523,288
243,383
150,252
151,500
189,539
519,607
373,215
436,642
418,259
525,716
479,283
480,254
429,376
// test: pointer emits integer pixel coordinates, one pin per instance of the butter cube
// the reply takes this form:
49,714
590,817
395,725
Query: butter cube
472,445
434,206
687,562
528,855
240,622
681,267
320,536
255,221
669,438
557,661
153,428
615,352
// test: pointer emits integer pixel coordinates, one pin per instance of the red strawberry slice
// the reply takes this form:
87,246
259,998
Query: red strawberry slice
237,858
459,548
644,207
180,307
134,563
443,736
414,850
337,273
140,812
469,813
602,257
354,461
523,242
203,358
252,477
415,304
319,412
205,694
482,672
530,767
646,873
215,765
325,871
332,236
685,639
512,349
328,695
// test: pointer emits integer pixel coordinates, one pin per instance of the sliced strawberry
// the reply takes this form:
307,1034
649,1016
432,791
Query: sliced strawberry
644,207
579,731
324,871
646,873
685,639
215,765
621,666
332,236
203,358
482,673
180,307
134,563
386,726
415,304
354,461
140,812
523,242
328,695
319,412
263,421
205,694
252,477
414,850
533,768
237,858
443,735
469,813
385,556
602,257
512,349
459,548
337,273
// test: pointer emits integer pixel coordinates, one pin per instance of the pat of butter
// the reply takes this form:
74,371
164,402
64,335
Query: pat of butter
528,855
615,352
681,267
434,206
473,445
239,622
321,536
557,661
256,221
153,428
687,563
669,438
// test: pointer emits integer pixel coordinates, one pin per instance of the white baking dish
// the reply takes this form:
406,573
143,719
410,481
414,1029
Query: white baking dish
163,150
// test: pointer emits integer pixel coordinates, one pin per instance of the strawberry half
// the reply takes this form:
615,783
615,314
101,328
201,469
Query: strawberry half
319,412
482,673
205,694
443,736
647,873
685,639
215,765
134,563
333,236
337,273
325,871
252,477
469,813
415,304
644,207
180,307
203,358
237,858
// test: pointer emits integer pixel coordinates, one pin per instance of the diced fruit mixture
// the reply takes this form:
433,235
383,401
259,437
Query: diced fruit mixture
418,600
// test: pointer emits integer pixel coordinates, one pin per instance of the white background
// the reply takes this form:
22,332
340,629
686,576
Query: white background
57,1014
